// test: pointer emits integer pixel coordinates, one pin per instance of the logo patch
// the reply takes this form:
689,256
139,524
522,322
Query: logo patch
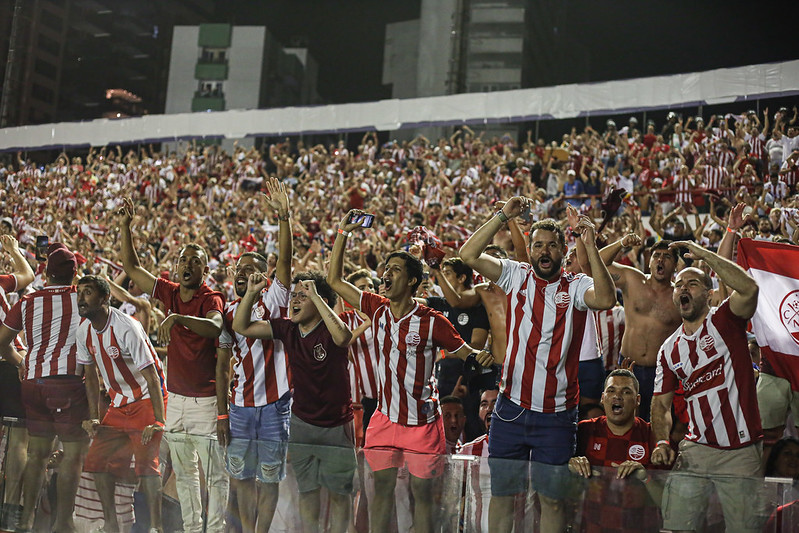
636,452
789,314
413,339
562,299
706,343
319,352
113,352
463,319
258,312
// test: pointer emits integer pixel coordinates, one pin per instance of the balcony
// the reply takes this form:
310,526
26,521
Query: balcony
206,70
202,102
498,45
495,15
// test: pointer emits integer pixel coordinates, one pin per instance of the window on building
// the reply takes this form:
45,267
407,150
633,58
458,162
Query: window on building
42,93
45,68
51,46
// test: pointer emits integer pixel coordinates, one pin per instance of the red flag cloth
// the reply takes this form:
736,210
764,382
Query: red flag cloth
775,268
432,248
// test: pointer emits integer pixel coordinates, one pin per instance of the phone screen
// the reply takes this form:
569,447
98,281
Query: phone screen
42,243
527,214
365,220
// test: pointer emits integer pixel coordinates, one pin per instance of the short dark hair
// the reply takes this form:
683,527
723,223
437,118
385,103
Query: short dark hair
258,258
461,269
663,245
622,372
99,283
549,224
451,399
323,288
359,274
497,248
413,266
197,247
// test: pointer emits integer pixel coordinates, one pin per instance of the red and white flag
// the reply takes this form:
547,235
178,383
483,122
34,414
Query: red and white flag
775,268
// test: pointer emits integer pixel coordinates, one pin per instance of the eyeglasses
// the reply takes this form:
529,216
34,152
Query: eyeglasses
301,296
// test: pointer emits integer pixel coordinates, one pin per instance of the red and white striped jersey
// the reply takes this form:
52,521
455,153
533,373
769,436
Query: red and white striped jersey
610,329
545,324
121,350
8,283
50,320
363,356
789,173
406,350
778,192
478,447
682,187
716,177
589,349
715,368
757,144
261,373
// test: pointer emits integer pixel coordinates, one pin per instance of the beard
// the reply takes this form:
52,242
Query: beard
550,272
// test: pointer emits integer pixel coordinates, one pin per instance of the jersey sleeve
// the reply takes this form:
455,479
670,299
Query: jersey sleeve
225,339
213,302
8,282
444,333
138,345
370,302
665,379
82,353
583,283
277,299
512,275
280,327
164,290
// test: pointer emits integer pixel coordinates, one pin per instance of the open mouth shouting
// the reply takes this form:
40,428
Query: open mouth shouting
545,263
387,283
617,406
685,301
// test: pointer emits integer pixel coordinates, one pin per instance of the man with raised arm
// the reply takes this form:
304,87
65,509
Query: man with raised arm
259,402
322,441
535,417
649,314
407,427
193,323
115,344
709,353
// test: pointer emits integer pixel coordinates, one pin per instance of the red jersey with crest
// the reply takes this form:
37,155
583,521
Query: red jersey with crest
121,350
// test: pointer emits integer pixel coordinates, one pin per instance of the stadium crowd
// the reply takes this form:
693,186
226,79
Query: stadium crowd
235,306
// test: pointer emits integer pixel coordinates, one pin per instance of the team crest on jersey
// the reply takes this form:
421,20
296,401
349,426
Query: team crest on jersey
706,343
562,299
258,312
319,352
413,339
636,452
113,352
463,319
789,314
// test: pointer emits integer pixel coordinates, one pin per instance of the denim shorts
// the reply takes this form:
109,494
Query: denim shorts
544,442
259,441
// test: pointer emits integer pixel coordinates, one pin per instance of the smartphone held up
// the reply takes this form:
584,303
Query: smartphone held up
365,219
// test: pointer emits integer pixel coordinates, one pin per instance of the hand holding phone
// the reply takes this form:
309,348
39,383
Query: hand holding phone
42,244
365,219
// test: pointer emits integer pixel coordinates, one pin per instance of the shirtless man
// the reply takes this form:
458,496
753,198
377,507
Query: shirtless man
649,313
495,302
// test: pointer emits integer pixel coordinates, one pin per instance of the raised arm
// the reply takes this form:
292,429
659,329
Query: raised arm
338,330
278,199
743,300
335,273
603,294
22,270
472,250
130,261
242,323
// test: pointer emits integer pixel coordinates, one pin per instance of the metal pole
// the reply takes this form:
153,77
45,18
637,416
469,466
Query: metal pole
10,63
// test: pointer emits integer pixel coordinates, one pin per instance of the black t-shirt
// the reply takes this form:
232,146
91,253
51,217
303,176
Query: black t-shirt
464,320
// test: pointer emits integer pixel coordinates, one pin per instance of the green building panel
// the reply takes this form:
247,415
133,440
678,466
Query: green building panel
215,35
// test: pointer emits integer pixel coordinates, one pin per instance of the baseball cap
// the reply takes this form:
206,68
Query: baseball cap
61,262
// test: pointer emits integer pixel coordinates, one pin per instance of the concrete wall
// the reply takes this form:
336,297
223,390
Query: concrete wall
183,59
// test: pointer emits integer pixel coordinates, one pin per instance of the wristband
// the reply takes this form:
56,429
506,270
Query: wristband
731,230
667,443
502,216
222,417
345,233
158,423
284,218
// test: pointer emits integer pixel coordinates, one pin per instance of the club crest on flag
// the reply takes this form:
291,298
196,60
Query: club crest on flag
789,314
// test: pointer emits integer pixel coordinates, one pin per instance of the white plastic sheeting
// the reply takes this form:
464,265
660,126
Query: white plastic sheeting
563,101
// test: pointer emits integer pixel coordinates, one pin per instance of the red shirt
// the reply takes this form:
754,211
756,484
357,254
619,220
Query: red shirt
616,505
191,366
319,373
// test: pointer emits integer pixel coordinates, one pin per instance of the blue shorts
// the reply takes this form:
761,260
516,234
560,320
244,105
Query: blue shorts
259,439
591,377
544,441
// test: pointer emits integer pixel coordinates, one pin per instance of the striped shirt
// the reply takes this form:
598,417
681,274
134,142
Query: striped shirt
406,349
50,320
121,350
545,324
715,368
610,330
261,373
363,357
8,283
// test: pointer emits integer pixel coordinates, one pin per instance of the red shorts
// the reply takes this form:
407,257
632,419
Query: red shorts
119,438
391,445
56,406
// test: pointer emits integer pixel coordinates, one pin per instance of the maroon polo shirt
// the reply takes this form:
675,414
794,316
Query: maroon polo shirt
191,359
